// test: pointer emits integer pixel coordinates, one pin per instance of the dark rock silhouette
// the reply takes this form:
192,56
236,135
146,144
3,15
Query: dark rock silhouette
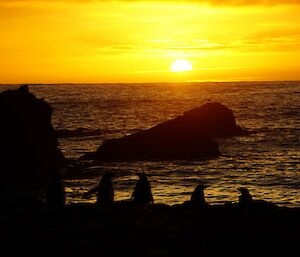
105,190
55,194
142,192
189,136
197,197
214,120
28,145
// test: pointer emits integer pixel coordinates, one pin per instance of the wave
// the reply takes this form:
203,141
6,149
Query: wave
84,132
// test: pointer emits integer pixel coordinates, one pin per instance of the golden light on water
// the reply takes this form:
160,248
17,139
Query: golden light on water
181,65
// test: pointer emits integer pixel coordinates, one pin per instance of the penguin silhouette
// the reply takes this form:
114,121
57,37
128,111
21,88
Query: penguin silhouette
142,192
197,197
245,199
105,190
55,194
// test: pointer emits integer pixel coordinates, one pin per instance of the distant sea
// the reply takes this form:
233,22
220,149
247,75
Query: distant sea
267,161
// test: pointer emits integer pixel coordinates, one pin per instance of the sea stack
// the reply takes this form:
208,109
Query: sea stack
213,120
189,136
28,145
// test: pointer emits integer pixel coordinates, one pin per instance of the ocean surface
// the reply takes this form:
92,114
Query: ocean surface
267,161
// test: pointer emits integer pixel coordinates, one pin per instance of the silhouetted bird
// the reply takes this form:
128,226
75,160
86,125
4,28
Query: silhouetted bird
24,89
197,197
55,195
245,199
105,190
142,192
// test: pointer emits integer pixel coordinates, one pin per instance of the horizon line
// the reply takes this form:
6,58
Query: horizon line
162,82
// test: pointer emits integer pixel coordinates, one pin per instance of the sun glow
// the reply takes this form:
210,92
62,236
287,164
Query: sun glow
181,65
148,41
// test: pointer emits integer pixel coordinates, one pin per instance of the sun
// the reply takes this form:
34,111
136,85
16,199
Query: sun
181,65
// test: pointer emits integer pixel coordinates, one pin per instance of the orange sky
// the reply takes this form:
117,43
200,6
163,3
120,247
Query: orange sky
51,41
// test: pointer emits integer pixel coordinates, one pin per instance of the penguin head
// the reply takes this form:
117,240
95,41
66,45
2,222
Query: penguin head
200,188
243,190
108,175
142,175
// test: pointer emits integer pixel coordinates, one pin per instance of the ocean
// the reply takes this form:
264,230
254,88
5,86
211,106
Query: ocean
267,161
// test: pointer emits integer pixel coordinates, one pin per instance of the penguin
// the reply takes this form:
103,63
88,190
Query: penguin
245,199
142,192
197,197
104,190
55,194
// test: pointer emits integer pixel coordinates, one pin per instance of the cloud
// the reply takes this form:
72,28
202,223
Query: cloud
247,2
258,45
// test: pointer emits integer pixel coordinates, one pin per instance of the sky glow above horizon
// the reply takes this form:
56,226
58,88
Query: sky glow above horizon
137,41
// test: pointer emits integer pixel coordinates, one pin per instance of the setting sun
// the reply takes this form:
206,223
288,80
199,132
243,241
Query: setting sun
181,65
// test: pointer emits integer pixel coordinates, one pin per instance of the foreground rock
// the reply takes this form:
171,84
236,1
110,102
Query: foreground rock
149,230
28,144
189,136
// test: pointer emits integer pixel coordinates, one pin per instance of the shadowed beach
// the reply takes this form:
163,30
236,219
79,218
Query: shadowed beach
126,229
